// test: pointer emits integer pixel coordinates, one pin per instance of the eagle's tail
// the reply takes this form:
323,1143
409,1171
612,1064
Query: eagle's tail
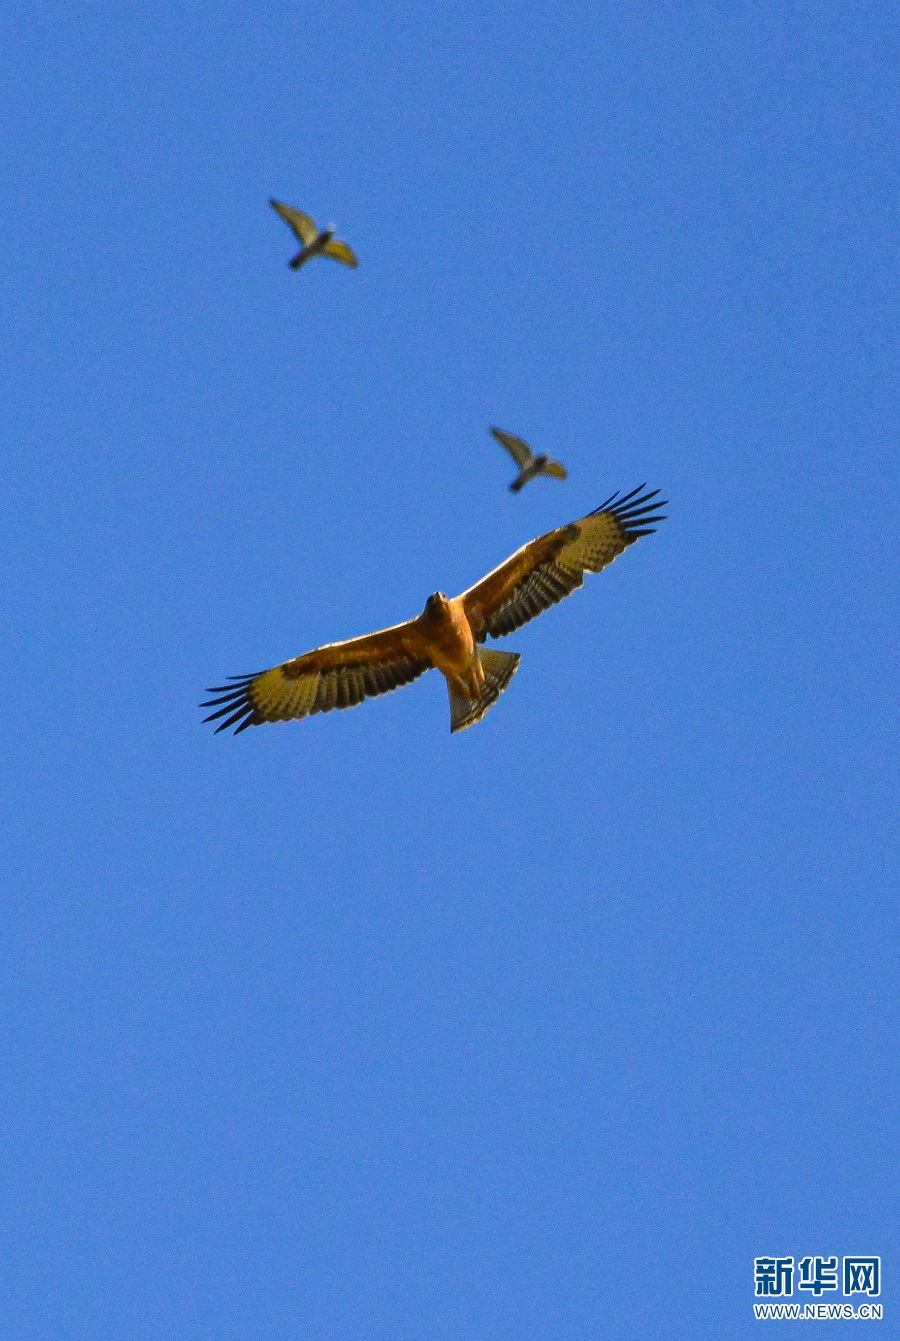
499,668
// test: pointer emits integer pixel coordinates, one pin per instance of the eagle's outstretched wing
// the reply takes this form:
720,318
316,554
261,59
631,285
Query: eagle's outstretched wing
338,675
518,448
551,567
300,224
339,251
556,470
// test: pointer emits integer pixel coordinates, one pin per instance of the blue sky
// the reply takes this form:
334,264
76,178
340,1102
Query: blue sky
347,1028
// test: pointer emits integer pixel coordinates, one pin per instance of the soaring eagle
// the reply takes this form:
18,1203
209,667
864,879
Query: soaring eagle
530,466
316,241
447,635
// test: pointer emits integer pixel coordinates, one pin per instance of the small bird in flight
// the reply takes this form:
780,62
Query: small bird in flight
447,635
529,464
316,241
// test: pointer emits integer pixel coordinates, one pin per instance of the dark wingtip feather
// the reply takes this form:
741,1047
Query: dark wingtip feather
603,506
237,704
626,498
636,512
242,712
220,712
234,682
251,720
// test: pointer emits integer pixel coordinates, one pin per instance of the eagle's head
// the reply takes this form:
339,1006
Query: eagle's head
435,603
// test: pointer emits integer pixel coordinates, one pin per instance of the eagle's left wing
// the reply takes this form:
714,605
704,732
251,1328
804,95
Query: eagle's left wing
551,567
338,675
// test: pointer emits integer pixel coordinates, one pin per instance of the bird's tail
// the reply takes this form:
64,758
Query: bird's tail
300,259
499,668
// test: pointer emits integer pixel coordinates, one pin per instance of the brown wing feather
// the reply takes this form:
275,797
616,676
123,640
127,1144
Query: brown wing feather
550,568
338,675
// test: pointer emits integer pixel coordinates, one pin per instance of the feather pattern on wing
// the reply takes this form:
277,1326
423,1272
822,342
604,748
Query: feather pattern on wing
338,675
550,568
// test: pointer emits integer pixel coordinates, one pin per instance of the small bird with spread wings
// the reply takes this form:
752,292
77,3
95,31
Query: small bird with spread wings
316,241
447,635
530,466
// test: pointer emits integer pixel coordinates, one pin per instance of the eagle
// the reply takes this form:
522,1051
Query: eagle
530,466
448,634
316,241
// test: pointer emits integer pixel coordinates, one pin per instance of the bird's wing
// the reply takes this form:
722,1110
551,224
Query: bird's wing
339,251
300,224
518,449
551,567
338,675
556,469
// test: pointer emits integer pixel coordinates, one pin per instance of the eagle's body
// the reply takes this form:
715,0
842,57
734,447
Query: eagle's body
316,241
443,629
530,466
448,634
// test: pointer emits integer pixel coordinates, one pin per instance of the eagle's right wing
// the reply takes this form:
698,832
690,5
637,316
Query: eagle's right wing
338,675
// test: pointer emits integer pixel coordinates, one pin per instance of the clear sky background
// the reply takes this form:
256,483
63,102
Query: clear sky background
351,1030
